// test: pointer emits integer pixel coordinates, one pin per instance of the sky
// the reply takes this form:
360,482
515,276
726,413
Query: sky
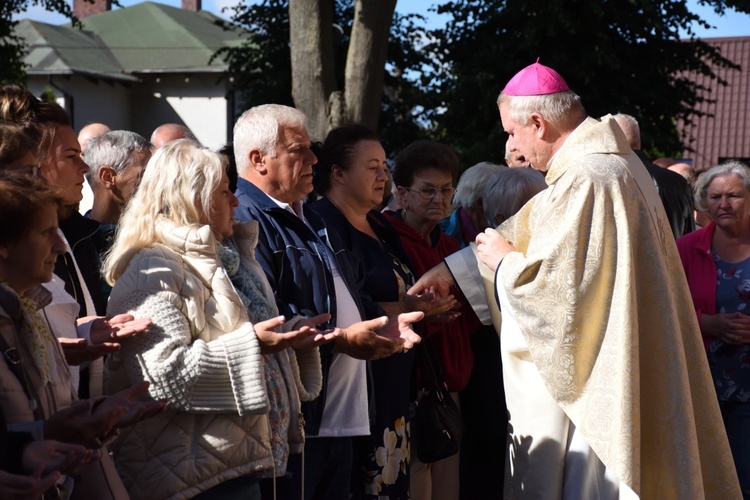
731,24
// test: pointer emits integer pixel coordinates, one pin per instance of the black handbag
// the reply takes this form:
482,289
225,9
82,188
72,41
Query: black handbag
437,423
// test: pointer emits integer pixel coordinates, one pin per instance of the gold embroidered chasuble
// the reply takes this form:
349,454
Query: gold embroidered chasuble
603,305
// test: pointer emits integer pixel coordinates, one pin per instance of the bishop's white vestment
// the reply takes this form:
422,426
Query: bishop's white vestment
605,331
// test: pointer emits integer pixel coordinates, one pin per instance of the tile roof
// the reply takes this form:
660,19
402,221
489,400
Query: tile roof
726,134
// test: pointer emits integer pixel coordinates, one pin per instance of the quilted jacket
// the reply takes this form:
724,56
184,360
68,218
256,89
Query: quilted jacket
51,395
202,354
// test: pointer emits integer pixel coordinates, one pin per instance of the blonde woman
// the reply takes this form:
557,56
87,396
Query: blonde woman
202,352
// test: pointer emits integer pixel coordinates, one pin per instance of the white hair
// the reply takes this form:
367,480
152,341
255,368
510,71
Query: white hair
705,179
630,128
471,183
178,183
259,128
560,108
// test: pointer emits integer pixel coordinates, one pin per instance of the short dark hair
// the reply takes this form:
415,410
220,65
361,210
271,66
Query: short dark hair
423,155
338,149
22,196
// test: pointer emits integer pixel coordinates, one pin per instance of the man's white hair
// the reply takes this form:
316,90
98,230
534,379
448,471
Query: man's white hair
630,128
118,149
259,127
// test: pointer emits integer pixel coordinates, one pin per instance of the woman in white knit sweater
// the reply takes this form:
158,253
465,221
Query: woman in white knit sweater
173,261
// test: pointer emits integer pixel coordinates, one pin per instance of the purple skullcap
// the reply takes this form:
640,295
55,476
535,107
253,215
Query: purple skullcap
536,79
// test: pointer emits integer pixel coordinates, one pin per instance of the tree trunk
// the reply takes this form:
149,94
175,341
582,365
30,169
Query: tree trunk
365,60
313,73
313,76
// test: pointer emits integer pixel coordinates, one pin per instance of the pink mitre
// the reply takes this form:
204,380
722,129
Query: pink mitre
536,79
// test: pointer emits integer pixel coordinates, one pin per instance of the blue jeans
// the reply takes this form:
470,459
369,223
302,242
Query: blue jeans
737,423
328,471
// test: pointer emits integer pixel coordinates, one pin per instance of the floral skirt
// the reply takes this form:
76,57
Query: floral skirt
382,459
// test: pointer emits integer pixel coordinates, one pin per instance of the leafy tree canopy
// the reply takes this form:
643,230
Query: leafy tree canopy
261,67
618,55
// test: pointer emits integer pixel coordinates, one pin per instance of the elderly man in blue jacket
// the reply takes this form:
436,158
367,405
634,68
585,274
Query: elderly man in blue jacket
311,273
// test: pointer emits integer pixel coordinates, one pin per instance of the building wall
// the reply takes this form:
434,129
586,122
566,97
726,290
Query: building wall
198,101
90,100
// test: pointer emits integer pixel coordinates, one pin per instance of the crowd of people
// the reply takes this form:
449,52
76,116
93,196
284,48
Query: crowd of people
266,321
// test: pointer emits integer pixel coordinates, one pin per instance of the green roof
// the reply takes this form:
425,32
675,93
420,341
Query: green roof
143,38
64,51
151,37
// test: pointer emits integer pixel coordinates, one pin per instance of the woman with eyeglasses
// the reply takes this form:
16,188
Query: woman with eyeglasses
425,175
351,177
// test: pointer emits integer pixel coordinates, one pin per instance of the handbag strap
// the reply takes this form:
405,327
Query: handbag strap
436,368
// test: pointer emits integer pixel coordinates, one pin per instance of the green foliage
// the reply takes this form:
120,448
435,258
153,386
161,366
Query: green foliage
408,100
48,95
12,69
261,66
619,55
11,56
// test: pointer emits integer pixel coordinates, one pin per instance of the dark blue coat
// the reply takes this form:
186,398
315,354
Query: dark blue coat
294,258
